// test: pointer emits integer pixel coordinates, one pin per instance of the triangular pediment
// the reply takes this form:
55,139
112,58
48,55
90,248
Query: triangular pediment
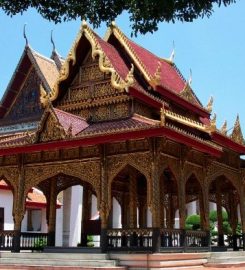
21,100
109,61
49,128
57,125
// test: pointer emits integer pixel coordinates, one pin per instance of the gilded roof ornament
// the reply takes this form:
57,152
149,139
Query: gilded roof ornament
212,126
44,97
209,106
190,78
223,129
187,93
69,131
162,117
171,58
52,41
236,134
156,79
24,35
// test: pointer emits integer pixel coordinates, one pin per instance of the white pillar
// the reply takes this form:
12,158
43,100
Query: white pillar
149,218
66,216
75,215
117,214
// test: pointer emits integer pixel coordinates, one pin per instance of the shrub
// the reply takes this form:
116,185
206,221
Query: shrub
193,222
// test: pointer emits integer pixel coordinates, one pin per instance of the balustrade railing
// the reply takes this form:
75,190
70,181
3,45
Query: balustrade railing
177,238
28,241
129,239
171,238
198,239
33,241
6,240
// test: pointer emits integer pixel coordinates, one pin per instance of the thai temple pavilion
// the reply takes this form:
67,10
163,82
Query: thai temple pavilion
124,124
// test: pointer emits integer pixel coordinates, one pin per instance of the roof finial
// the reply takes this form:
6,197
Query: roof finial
223,129
213,123
190,78
171,58
52,41
84,24
162,116
236,134
24,34
209,106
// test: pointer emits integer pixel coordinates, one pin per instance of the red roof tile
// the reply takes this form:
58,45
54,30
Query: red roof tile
68,120
170,77
114,57
135,122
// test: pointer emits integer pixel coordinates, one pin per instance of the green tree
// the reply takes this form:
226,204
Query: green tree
144,14
193,222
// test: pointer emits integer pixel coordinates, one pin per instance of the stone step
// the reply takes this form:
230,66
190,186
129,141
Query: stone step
42,255
172,268
227,254
72,250
162,261
162,264
26,267
57,262
231,260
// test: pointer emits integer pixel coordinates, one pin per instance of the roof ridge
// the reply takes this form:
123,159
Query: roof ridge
145,119
133,53
42,56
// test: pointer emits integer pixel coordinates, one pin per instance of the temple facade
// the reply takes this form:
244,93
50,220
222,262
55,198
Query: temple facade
125,125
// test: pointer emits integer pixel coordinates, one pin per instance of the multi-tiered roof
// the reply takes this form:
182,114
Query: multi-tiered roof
106,90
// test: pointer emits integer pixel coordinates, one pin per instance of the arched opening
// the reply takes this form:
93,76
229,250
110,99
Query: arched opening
129,190
69,213
194,204
224,212
169,200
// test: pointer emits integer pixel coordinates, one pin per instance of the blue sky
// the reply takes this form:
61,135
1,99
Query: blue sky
213,48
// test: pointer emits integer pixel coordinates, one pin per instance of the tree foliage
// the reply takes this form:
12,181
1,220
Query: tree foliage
144,14
193,222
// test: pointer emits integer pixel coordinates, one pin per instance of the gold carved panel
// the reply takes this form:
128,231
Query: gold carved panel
52,131
33,157
88,171
103,89
11,174
90,151
90,73
50,155
70,153
10,160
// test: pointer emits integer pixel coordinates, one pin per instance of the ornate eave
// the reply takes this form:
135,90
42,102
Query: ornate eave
169,132
227,142
185,120
105,66
183,102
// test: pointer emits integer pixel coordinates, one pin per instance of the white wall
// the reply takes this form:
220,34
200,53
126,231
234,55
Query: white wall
6,201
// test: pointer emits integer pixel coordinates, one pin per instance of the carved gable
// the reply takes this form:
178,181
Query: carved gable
50,130
27,104
92,96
